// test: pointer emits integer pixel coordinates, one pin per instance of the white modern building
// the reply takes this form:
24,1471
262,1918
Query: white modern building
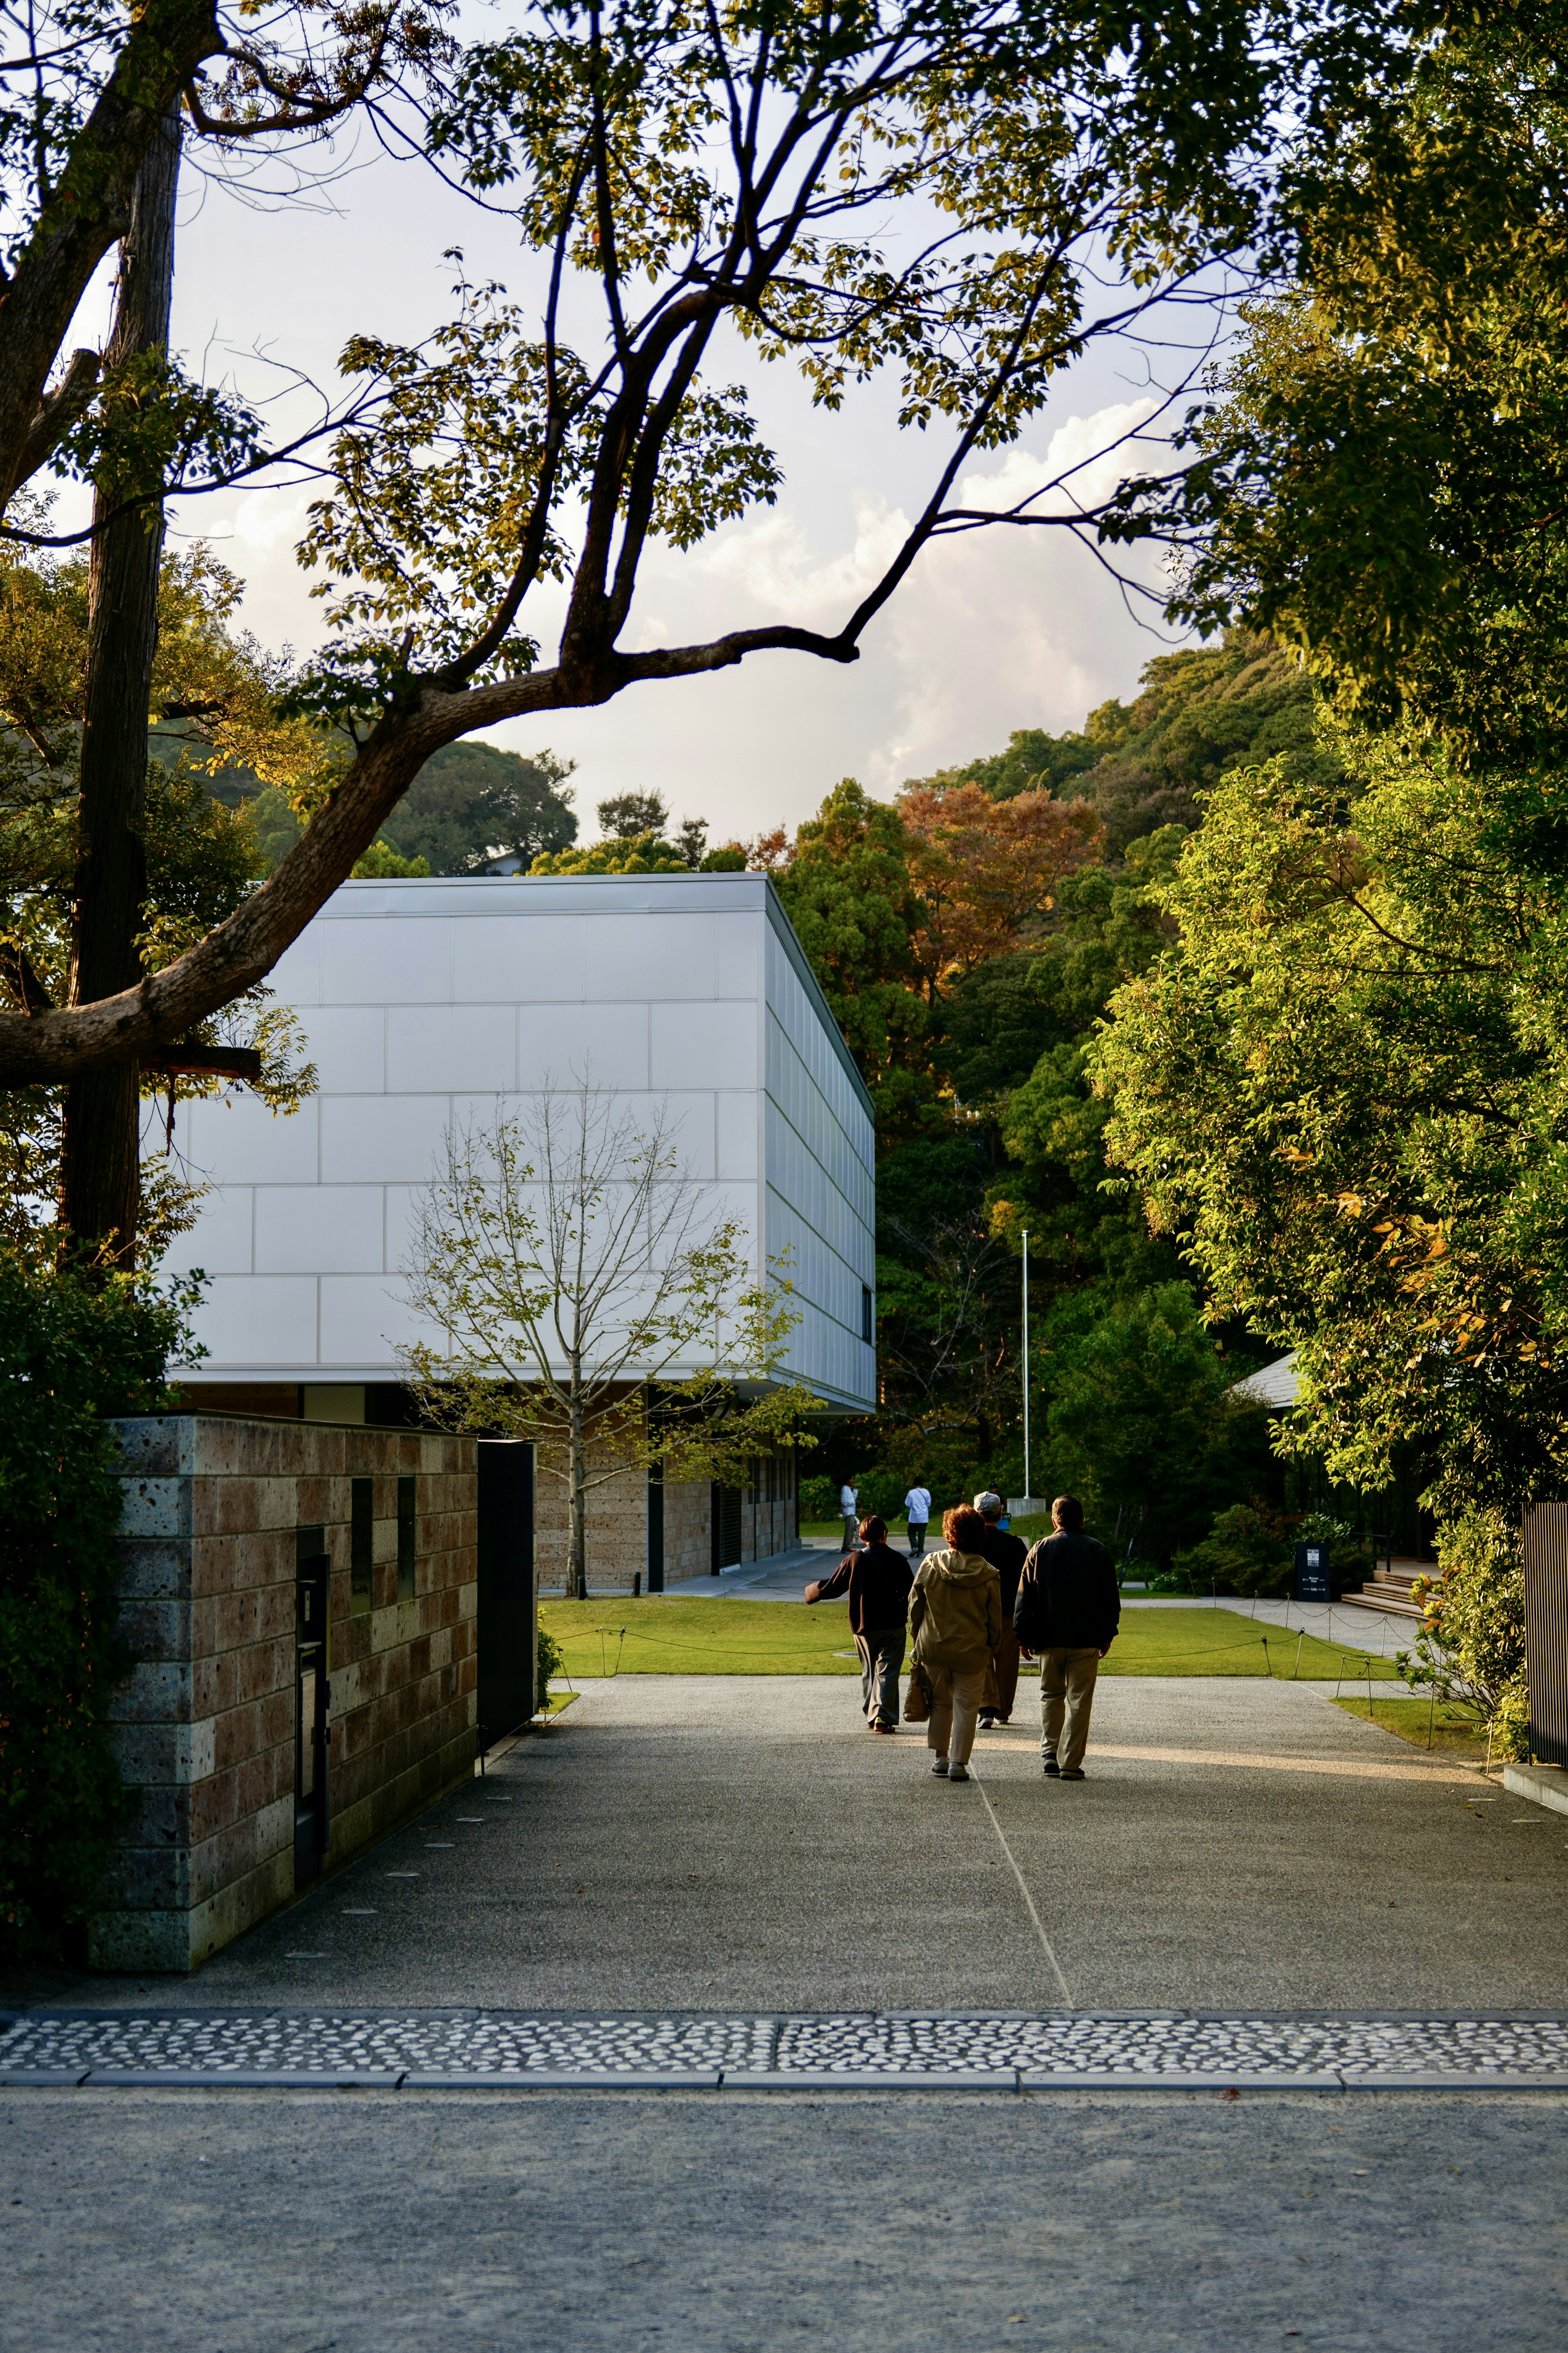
422,1003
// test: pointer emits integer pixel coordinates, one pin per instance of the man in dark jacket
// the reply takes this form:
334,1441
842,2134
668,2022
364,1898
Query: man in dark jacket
877,1581
1006,1553
1067,1614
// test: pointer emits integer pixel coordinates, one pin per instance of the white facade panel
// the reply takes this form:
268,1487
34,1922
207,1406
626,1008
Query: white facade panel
605,1043
239,1137
652,956
384,960
520,959
348,1045
268,1321
219,1241
715,1042
430,1005
431,1047
301,1228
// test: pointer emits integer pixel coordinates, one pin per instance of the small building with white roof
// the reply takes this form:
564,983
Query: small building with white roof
426,1004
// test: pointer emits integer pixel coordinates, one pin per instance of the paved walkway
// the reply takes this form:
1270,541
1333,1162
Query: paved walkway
737,1844
680,1860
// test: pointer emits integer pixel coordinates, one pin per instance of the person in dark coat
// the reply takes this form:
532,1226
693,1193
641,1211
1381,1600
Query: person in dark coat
1066,1615
877,1580
1007,1553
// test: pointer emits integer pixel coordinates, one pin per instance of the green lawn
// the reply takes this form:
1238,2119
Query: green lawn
660,1636
1456,1735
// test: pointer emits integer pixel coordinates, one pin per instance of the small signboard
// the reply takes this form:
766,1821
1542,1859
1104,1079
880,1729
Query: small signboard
1312,1573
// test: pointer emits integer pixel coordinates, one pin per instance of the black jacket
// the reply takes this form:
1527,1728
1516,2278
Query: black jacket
1007,1553
877,1582
1066,1596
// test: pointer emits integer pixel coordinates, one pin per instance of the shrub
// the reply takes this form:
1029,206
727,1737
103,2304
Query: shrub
72,1351
1471,1643
819,1498
549,1662
1248,1551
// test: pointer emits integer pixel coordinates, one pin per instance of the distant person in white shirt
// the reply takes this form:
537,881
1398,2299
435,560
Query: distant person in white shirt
917,1508
849,1504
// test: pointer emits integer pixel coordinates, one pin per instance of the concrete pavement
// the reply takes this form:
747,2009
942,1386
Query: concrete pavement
709,1843
712,1844
241,2222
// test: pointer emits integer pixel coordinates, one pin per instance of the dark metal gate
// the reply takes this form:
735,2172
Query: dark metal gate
725,1527
508,1637
312,1698
1546,1631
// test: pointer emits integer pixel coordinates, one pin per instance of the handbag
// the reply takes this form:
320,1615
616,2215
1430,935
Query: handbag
918,1698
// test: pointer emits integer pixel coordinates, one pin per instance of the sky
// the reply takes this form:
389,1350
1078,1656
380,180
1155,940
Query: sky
997,630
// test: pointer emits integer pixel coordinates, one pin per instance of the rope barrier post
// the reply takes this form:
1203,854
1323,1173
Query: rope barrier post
1369,1686
1297,1668
1266,1668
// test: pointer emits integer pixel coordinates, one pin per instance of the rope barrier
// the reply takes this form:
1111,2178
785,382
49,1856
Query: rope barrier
703,1650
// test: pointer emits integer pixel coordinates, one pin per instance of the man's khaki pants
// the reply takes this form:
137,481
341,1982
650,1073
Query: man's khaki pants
956,1694
1066,1691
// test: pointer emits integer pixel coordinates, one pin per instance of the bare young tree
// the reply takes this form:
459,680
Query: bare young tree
577,1272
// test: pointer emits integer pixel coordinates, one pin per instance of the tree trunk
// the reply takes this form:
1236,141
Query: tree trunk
100,1176
577,1470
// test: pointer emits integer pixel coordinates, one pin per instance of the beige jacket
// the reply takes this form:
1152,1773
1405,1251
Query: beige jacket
955,1611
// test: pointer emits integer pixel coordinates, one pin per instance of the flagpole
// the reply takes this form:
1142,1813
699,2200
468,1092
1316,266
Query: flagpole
1028,1491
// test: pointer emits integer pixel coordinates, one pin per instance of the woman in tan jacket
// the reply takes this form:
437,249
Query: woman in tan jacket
955,1616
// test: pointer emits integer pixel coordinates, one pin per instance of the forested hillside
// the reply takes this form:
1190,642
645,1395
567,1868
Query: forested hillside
969,991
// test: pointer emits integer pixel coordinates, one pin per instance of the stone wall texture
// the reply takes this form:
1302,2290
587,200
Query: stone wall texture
206,1726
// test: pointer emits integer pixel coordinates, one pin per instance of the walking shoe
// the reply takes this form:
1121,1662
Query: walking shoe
1052,1769
1072,1772
985,1723
878,1726
938,1765
958,1772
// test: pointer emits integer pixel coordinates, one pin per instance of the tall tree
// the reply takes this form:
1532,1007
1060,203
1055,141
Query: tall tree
704,172
101,1175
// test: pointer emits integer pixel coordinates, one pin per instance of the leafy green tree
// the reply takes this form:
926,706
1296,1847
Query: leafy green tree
472,803
71,1353
213,702
641,853
1141,1422
699,175
626,816
1345,1087
1381,480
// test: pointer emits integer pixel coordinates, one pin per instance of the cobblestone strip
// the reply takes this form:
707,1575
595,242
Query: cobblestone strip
480,2046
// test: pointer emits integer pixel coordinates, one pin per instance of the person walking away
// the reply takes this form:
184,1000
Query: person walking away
877,1580
1007,1553
917,1511
1067,1615
849,1504
955,1616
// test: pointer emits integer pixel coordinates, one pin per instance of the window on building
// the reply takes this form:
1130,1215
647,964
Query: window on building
866,1331
407,1532
362,1542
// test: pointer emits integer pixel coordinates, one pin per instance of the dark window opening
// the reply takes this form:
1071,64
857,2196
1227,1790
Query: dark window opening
407,1530
362,1542
867,1333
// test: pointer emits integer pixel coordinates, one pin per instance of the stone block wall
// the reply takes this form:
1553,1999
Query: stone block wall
688,1523
206,1726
